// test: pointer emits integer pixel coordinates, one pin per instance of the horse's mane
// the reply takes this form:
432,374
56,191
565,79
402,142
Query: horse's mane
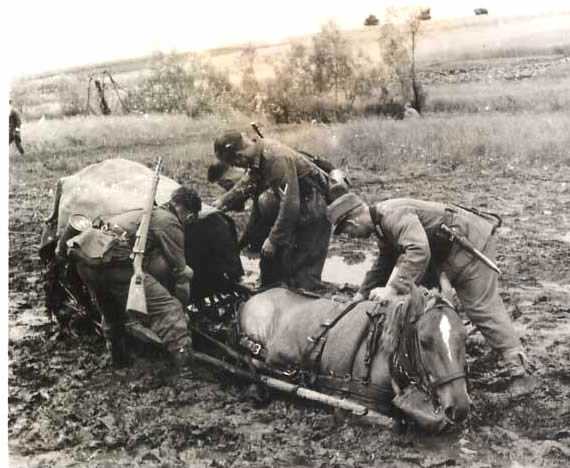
405,309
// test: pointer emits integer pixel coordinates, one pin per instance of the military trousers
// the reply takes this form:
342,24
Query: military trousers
299,265
109,286
15,137
477,287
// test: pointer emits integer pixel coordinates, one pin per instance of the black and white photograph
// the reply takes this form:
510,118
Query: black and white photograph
287,234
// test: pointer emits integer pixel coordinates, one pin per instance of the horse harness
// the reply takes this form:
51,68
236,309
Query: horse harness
307,373
407,364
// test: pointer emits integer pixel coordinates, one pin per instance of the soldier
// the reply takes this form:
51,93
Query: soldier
298,238
166,282
14,124
410,234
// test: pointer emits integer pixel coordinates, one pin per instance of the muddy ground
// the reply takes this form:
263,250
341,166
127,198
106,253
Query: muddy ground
67,408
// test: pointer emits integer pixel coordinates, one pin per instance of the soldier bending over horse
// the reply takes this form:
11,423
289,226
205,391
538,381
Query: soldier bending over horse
410,234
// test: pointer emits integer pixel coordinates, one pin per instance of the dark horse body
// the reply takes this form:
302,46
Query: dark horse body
374,352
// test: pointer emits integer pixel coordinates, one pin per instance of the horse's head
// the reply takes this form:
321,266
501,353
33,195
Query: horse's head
440,339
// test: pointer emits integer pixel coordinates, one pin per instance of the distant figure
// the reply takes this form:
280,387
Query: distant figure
105,110
410,112
481,11
14,123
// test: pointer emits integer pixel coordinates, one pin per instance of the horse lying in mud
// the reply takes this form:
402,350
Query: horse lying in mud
404,357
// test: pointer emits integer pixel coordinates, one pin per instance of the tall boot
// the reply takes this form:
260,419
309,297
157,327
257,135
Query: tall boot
515,368
119,353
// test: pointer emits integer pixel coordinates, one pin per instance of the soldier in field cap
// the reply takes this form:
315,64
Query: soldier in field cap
298,238
411,234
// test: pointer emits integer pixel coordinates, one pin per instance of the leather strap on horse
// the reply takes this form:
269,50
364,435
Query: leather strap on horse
315,352
376,317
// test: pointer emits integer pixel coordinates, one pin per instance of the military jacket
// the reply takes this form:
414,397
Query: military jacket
277,167
409,237
165,243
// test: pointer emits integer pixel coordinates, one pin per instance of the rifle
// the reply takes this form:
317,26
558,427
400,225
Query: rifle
454,236
136,301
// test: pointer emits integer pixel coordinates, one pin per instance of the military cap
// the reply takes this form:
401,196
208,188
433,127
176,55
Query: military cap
228,144
339,210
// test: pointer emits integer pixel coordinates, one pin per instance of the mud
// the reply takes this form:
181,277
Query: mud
68,408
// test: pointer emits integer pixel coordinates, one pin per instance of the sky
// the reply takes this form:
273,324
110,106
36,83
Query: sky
49,35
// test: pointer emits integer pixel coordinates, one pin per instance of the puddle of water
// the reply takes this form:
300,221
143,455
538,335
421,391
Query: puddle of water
337,270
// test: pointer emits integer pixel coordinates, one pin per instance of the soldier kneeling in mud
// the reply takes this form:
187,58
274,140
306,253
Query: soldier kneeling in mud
102,256
413,233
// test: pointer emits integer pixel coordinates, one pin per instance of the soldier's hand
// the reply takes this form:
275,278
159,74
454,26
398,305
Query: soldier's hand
187,274
382,294
182,292
268,249
358,297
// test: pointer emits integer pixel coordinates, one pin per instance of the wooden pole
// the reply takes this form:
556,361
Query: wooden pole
342,403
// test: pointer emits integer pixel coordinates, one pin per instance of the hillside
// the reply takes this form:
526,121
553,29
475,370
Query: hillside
484,46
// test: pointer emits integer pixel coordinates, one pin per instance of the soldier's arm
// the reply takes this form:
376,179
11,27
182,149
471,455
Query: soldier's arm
170,237
290,205
411,243
379,274
239,193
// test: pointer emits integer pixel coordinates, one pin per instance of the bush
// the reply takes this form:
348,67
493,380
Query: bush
183,84
72,95
321,82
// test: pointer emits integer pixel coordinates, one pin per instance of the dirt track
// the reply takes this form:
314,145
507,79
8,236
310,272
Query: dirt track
67,409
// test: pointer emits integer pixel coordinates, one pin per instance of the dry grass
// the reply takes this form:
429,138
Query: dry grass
539,94
494,141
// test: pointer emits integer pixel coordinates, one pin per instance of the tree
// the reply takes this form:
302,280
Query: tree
249,84
332,60
398,41
371,20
